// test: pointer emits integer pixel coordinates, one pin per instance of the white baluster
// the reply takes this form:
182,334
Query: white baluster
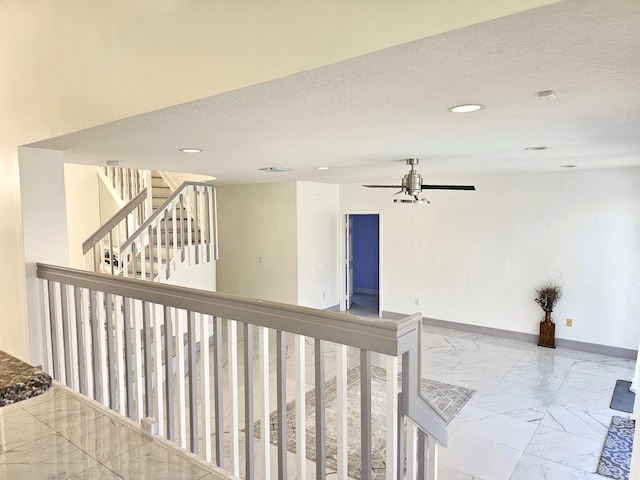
433,459
232,352
412,444
263,414
392,417
205,334
86,329
158,317
120,359
341,412
137,342
102,341
301,424
180,375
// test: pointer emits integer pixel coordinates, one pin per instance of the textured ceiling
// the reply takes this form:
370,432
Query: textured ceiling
363,115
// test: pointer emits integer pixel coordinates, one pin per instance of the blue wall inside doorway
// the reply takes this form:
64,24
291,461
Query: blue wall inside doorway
366,253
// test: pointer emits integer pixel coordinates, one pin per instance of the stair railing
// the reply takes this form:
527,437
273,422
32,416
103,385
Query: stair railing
168,357
126,183
172,236
101,251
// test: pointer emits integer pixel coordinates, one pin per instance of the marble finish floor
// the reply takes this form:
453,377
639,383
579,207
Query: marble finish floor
537,414
59,436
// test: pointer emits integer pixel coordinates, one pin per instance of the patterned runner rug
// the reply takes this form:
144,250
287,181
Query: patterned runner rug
448,398
615,460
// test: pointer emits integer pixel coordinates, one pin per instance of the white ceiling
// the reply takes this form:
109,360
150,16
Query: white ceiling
362,116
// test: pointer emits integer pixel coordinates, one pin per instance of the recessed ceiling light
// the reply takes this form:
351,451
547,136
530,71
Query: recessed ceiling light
190,150
466,108
395,177
536,148
275,169
568,166
322,168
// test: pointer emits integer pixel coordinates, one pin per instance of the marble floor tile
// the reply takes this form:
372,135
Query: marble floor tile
48,457
153,460
19,428
98,472
540,388
583,399
531,467
60,410
480,459
577,422
484,425
594,383
448,473
104,437
516,406
565,448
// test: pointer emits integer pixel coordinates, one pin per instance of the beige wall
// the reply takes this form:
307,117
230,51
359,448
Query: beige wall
258,241
71,64
83,208
317,244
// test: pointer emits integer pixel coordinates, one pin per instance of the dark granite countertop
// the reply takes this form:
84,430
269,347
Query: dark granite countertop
19,380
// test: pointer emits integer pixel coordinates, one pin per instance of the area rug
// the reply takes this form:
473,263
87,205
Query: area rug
448,398
623,398
615,460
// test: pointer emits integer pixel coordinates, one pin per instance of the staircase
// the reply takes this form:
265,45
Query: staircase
179,231
160,190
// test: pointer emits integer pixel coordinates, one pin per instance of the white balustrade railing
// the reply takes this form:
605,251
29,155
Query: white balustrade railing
207,367
101,251
182,231
127,183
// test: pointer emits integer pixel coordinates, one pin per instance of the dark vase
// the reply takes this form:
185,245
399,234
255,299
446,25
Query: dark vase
547,332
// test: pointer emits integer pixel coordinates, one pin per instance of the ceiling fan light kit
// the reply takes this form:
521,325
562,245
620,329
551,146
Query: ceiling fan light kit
412,185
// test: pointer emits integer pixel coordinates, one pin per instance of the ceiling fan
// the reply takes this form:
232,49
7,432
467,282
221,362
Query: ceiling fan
412,185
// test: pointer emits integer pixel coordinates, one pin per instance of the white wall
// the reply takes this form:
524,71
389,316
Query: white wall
317,230
201,276
44,223
257,239
83,208
477,257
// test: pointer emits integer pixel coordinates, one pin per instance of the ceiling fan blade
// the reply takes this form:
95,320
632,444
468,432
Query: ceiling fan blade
383,186
448,187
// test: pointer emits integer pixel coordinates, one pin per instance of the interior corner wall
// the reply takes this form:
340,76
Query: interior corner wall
317,234
83,208
44,223
257,241
477,257
14,326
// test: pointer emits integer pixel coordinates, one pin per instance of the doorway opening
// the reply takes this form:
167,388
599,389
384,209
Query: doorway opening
362,295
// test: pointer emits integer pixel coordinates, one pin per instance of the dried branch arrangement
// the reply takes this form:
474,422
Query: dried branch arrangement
548,295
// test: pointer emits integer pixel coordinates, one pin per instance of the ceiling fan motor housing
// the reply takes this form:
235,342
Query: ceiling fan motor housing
412,183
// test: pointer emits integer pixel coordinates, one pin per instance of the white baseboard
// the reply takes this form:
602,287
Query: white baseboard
532,338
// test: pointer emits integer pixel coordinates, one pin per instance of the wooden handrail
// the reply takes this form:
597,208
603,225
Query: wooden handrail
113,221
